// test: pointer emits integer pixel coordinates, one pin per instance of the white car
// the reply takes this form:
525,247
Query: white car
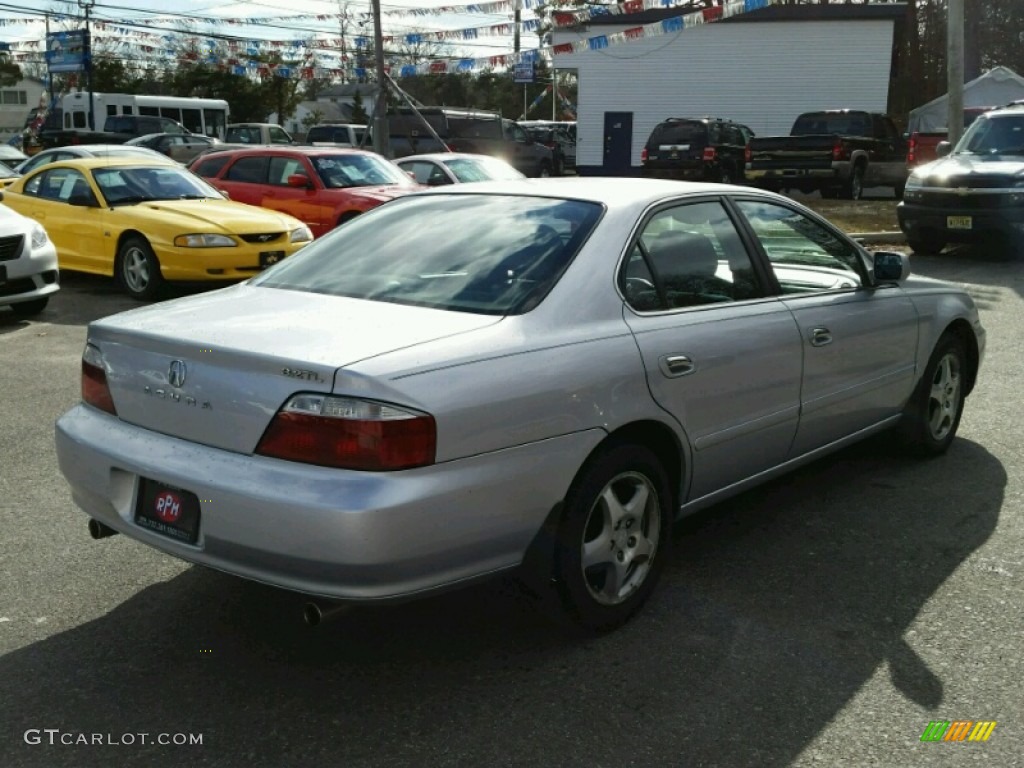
28,264
86,150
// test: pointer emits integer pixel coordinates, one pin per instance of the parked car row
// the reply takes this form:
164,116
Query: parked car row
132,213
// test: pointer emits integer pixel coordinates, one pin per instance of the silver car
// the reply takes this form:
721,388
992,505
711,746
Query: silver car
532,374
28,264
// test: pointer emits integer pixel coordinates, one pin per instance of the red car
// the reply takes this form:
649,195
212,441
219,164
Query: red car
321,186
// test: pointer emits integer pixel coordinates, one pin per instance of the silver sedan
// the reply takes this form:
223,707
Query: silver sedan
539,375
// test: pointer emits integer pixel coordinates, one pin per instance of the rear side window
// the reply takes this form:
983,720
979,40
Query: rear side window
210,168
679,132
248,169
843,123
470,128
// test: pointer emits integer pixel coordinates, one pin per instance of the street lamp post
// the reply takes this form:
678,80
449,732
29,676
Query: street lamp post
87,56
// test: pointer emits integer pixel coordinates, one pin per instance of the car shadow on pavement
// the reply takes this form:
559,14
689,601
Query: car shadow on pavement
775,608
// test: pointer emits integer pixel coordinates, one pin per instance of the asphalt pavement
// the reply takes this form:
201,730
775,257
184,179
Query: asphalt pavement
824,619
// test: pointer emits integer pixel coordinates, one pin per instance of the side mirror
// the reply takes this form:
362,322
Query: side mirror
943,148
890,266
299,180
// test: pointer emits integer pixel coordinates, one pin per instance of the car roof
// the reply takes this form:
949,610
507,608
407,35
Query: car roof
286,149
615,192
440,157
133,161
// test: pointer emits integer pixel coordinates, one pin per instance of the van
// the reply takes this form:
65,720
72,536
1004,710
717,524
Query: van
468,130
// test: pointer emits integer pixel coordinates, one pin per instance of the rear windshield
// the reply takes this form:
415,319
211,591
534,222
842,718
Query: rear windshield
486,254
856,124
335,134
679,133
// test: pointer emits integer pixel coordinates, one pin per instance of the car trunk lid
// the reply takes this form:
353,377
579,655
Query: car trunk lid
214,369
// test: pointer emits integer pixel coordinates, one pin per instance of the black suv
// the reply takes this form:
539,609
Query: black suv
696,149
972,194
468,130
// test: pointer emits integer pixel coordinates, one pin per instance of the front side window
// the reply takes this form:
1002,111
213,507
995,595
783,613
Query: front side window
485,254
283,167
687,256
805,256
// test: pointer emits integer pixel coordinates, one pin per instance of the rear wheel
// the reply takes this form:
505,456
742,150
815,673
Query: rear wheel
544,170
138,270
614,537
727,175
933,413
854,188
30,308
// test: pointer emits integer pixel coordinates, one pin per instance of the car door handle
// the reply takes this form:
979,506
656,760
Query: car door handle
820,337
676,365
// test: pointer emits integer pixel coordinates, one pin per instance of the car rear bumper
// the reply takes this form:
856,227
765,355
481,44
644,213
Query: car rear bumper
320,531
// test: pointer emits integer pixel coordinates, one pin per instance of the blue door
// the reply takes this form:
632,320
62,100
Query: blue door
618,144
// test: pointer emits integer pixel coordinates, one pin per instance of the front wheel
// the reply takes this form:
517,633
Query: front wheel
933,414
926,242
30,308
138,270
614,537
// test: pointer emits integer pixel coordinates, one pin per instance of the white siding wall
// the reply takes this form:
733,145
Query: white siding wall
761,74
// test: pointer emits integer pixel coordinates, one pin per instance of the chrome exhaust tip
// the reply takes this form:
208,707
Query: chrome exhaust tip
315,613
100,531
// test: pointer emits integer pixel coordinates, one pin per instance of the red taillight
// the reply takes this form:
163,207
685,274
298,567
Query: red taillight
350,434
95,390
748,155
643,155
709,154
839,151
912,149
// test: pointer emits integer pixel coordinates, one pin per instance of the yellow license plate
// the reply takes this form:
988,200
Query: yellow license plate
958,222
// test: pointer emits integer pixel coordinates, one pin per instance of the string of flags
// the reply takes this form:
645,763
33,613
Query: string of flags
314,51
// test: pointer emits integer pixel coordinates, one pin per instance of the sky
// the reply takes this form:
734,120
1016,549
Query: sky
133,27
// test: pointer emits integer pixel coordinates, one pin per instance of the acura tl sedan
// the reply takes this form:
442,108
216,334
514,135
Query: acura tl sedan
539,375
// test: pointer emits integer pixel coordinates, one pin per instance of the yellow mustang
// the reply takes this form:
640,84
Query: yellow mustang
146,221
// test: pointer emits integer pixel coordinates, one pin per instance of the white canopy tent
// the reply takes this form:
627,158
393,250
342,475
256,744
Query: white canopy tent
995,88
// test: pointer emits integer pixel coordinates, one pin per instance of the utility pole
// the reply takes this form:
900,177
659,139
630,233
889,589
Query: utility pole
87,55
380,112
955,70
517,21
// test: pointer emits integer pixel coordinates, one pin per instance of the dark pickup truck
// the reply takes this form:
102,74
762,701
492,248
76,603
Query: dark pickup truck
116,130
839,152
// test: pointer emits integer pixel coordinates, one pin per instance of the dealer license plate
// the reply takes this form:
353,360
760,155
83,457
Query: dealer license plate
270,258
958,222
167,510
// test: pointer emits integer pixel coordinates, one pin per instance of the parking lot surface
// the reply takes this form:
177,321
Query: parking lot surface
824,619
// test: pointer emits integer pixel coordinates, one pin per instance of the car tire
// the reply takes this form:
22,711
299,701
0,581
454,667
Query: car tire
933,413
854,187
614,537
30,308
346,217
138,270
926,242
899,189
544,169
726,175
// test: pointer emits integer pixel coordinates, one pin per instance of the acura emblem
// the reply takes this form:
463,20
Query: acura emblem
176,373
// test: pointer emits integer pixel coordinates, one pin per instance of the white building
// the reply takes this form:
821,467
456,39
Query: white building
761,68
